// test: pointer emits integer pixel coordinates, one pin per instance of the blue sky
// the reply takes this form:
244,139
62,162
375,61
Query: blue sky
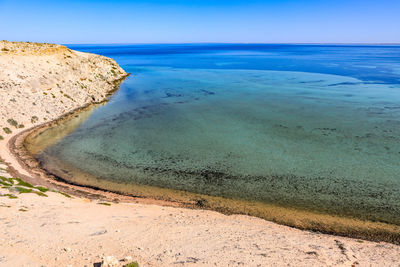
186,21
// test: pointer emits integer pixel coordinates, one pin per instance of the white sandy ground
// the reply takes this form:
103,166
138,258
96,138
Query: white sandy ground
60,231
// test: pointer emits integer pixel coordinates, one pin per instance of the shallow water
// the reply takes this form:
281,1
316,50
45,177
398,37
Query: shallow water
250,122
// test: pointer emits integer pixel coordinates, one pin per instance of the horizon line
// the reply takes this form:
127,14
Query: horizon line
269,43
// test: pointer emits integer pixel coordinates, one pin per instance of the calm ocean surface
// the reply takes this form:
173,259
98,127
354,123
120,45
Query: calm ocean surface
315,127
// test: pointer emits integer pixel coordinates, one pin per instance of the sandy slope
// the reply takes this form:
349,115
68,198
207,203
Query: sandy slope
61,231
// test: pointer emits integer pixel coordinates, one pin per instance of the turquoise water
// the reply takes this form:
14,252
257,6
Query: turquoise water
210,122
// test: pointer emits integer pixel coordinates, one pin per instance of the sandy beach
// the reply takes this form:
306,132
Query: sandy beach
63,225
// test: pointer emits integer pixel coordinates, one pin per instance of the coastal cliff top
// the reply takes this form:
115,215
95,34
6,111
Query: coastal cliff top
30,48
40,82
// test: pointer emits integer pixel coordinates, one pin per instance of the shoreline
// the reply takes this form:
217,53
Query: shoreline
29,169
39,175
287,216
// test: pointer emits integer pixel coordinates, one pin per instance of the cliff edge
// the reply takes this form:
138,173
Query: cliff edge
40,82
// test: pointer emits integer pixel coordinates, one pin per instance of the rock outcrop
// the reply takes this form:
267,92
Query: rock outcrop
40,82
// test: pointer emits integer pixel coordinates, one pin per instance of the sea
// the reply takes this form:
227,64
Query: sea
312,127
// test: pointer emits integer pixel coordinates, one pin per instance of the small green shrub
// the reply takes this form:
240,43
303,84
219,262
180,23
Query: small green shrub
5,184
42,189
132,264
7,130
8,180
23,183
1,137
34,119
67,96
65,194
22,190
40,194
10,196
13,122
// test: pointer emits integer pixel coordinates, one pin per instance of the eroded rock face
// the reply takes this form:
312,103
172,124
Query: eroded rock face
40,82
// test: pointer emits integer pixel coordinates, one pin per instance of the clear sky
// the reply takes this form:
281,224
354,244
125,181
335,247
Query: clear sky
186,21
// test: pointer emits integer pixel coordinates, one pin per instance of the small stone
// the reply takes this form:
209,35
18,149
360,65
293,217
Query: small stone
128,258
67,249
109,261
99,233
